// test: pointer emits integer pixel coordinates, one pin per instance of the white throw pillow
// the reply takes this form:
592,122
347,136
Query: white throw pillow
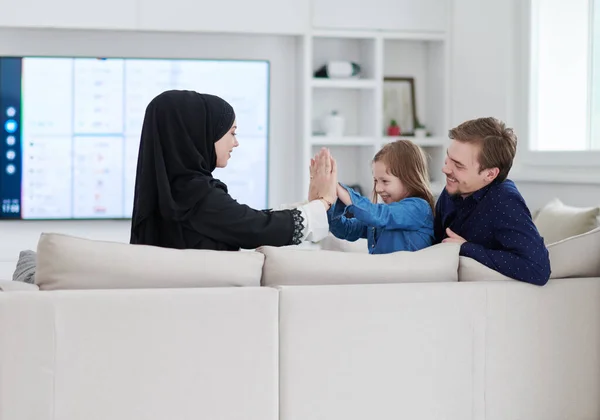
285,266
67,262
577,256
557,221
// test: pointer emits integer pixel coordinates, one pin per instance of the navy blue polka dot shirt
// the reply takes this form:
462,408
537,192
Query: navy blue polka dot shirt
499,231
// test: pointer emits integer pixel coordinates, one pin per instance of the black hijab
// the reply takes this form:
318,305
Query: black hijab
175,163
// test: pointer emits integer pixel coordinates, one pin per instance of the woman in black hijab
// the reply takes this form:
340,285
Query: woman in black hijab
178,203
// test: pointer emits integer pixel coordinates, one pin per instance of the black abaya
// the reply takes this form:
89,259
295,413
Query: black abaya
177,203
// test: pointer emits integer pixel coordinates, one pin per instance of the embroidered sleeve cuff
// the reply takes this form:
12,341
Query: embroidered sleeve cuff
316,224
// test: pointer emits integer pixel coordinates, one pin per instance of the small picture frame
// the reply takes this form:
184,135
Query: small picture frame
399,104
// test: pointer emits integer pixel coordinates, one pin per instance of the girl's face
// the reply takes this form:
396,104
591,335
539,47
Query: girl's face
224,146
389,187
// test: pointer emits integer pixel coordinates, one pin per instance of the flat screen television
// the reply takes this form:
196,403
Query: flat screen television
70,130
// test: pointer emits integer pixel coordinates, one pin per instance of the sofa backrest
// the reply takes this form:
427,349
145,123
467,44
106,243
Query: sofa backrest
401,351
139,354
480,350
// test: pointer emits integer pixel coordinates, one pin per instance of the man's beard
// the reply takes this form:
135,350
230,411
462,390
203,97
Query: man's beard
456,192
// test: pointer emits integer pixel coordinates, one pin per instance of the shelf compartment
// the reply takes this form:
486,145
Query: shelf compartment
357,50
424,61
355,105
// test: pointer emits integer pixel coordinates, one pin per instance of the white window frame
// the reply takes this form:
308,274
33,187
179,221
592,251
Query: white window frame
578,166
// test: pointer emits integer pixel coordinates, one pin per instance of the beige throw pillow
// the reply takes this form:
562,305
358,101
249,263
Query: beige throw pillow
67,262
577,256
557,221
285,266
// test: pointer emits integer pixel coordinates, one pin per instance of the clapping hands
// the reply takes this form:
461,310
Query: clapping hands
323,177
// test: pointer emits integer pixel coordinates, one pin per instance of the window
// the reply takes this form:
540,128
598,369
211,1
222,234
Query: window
565,76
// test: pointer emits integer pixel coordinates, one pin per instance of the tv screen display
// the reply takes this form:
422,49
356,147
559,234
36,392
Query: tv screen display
71,129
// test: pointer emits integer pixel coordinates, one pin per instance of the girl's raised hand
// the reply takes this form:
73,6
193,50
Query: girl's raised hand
343,195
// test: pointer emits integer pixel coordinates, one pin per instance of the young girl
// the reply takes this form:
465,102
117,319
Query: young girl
404,221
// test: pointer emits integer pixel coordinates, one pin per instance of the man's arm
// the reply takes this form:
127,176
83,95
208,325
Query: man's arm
521,253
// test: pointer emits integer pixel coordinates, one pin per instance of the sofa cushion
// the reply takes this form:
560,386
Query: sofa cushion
437,263
577,256
557,221
472,270
17,286
67,262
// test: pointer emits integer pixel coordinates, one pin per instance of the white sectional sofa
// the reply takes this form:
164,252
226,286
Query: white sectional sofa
121,332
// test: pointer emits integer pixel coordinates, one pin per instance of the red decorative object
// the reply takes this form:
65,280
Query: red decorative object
393,129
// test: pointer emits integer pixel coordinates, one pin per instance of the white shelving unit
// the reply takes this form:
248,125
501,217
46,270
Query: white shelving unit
422,56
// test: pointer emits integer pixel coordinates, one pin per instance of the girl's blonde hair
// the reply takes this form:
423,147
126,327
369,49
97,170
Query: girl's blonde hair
408,162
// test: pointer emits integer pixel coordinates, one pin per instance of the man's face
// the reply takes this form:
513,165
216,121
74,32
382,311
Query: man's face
461,168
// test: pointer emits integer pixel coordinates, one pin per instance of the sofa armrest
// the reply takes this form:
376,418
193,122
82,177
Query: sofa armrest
17,286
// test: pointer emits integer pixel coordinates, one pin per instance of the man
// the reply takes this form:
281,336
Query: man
482,210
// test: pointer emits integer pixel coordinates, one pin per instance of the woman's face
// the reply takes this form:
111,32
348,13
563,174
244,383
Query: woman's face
224,146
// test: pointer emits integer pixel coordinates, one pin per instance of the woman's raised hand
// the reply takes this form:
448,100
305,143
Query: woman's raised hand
323,174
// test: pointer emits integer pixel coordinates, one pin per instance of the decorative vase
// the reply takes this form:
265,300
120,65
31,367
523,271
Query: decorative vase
334,124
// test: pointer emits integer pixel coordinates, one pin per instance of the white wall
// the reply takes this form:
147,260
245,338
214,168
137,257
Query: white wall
481,60
488,80
578,195
279,50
